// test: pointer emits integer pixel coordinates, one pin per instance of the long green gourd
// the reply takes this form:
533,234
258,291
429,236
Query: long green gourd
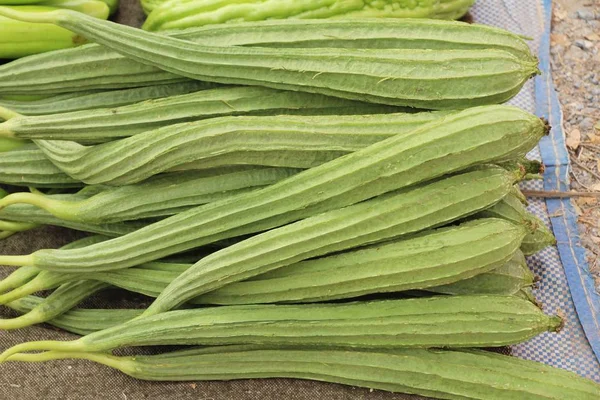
487,186
508,279
444,321
77,101
442,374
420,263
441,257
27,166
109,123
276,141
453,143
512,209
415,78
161,195
313,237
93,67
182,14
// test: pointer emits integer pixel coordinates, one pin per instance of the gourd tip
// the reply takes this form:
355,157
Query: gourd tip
547,126
557,323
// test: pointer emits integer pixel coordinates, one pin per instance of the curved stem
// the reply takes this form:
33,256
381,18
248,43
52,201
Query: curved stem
35,285
5,113
22,321
16,261
17,226
57,208
118,363
19,277
42,345
6,234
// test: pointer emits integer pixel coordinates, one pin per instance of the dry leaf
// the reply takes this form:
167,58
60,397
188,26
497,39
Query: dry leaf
587,200
595,187
577,208
559,14
597,126
574,139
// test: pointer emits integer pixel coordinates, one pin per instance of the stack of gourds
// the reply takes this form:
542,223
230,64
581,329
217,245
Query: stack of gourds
271,168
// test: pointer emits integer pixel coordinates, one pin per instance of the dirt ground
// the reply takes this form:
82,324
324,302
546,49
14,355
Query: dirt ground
576,68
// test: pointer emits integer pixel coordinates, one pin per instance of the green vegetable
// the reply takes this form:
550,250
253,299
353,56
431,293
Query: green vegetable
108,123
435,258
512,209
276,141
385,217
151,279
19,39
92,67
77,101
181,14
508,279
27,166
416,78
159,196
452,143
445,374
441,257
446,321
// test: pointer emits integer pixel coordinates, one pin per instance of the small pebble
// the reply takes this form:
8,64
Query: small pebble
587,124
587,15
584,44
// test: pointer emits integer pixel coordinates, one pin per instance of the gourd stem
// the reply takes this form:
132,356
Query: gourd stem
6,234
16,226
15,261
54,207
18,278
119,363
22,321
35,285
7,114
40,345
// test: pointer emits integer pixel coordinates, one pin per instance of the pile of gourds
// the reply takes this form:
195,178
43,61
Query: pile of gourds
270,168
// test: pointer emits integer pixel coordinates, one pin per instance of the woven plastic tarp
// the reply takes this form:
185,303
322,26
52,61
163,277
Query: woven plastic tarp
562,271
